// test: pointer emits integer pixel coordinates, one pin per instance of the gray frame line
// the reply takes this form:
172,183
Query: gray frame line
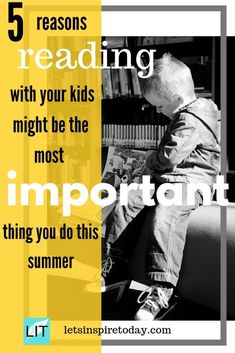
223,245
162,8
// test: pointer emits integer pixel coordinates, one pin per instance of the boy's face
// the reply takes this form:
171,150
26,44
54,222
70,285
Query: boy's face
164,106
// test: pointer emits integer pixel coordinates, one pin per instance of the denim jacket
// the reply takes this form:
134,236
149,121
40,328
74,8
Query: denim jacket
189,150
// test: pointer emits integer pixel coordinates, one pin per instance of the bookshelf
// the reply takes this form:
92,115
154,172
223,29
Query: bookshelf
79,102
133,124
128,120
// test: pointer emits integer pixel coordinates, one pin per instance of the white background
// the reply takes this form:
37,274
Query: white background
153,23
175,27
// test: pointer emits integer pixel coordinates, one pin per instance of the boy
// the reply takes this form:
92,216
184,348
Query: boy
188,153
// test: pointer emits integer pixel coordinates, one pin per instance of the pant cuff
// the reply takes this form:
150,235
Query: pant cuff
163,277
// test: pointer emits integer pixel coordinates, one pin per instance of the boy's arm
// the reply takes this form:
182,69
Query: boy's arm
181,141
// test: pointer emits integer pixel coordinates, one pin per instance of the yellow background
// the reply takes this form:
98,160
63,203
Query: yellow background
57,294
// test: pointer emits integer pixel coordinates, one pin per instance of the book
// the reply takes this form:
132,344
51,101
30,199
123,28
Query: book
107,84
115,42
135,83
124,165
115,81
146,136
124,84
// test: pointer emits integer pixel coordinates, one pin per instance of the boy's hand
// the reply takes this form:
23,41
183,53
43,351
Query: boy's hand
175,146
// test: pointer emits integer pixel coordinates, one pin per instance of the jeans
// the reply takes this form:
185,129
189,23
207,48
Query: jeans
157,233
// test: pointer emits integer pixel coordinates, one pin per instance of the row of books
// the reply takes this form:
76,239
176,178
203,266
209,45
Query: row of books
196,59
120,83
202,93
67,139
122,42
133,136
146,41
74,78
115,82
68,77
75,42
125,82
73,170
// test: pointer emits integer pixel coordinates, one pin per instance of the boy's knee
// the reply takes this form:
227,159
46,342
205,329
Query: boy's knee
164,213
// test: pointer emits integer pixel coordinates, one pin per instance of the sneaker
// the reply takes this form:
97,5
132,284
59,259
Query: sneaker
154,304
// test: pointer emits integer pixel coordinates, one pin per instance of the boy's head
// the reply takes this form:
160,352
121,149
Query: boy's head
170,86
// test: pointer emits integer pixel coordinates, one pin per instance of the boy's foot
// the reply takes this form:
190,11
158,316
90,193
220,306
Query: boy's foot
155,303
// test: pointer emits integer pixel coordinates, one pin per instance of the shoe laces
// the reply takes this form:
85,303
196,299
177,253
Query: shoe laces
106,266
155,298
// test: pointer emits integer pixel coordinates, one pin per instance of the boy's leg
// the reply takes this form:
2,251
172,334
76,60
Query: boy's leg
117,244
121,216
166,241
168,227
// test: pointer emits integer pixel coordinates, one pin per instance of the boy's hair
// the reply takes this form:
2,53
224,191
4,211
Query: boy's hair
170,77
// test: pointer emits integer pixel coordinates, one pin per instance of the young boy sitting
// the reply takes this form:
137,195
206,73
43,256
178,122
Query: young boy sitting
188,153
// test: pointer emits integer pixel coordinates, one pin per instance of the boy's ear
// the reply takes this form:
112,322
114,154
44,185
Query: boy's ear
180,99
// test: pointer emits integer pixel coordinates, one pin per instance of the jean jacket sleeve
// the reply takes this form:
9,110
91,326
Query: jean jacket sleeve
179,141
